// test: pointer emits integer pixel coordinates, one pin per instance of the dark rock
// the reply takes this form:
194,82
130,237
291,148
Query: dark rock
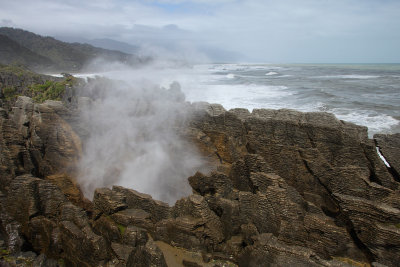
224,130
36,140
187,263
109,229
109,201
185,231
43,261
82,247
135,236
71,190
135,217
216,183
375,224
196,207
42,233
269,251
135,200
122,251
149,255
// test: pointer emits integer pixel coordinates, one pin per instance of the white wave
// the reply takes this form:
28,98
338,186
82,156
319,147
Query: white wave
58,75
374,121
237,67
229,67
348,76
271,73
230,76
237,96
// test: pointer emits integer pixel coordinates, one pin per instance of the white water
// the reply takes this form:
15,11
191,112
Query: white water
350,94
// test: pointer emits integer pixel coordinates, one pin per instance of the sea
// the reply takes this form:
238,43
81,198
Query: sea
364,94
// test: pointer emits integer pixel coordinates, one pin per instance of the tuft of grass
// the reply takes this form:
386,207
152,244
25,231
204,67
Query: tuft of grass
4,252
61,262
121,229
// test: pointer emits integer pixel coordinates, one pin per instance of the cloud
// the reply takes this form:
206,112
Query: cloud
263,30
6,23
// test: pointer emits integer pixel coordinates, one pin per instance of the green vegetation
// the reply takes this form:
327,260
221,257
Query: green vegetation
4,252
4,255
121,229
61,262
20,81
397,225
9,92
18,70
51,90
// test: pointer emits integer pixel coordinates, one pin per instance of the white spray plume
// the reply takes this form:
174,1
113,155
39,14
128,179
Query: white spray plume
135,136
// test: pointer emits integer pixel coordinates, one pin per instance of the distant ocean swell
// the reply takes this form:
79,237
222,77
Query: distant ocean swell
367,95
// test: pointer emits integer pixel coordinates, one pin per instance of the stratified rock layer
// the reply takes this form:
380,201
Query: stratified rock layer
288,189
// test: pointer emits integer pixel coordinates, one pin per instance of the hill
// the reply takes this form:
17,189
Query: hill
114,45
48,53
12,52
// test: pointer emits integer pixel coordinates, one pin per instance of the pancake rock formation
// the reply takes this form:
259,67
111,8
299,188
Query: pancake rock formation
287,189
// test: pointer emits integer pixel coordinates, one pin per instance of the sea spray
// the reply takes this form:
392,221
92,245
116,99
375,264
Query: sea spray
133,138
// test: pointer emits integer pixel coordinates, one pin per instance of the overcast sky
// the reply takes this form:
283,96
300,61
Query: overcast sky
276,31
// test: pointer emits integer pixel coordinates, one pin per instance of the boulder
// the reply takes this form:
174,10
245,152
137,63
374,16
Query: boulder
109,201
82,247
158,210
135,217
149,255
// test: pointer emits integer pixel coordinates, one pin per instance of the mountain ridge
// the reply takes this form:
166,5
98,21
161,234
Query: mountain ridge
49,53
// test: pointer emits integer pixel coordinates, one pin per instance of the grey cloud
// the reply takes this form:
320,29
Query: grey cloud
6,23
263,30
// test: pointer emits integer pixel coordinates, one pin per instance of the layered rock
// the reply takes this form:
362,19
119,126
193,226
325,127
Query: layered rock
323,167
289,189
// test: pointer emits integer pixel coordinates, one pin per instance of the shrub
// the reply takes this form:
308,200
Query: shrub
50,90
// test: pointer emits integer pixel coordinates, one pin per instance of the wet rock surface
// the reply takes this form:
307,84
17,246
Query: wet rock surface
288,189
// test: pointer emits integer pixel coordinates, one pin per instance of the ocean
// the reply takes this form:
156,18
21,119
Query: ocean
365,94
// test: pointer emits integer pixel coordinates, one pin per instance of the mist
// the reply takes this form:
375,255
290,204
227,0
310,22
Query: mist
135,134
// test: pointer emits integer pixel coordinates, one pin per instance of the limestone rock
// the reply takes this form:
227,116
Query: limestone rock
149,255
82,247
122,251
109,201
134,217
135,236
106,227
269,251
157,209
290,188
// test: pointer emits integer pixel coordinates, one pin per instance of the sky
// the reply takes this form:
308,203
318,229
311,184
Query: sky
269,31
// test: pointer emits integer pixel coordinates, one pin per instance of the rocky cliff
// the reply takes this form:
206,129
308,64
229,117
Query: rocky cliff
287,189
